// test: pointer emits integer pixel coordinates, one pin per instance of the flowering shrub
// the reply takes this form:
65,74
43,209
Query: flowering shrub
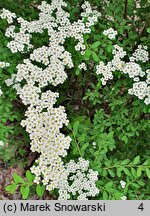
77,59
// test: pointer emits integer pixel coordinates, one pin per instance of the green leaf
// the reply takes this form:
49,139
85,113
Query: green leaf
136,160
118,195
127,172
130,2
29,176
148,30
88,52
109,48
105,195
95,56
112,174
11,188
96,44
139,172
85,97
109,185
104,173
25,190
147,162
69,127
124,162
110,135
75,149
125,139
135,185
141,183
143,39
134,173
148,172
77,72
75,127
84,148
119,172
18,179
40,189
82,138
121,30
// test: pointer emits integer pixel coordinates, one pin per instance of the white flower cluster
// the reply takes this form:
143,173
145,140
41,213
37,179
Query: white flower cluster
91,15
10,81
82,66
111,33
43,121
58,28
81,180
4,64
105,70
123,184
140,54
141,89
118,52
6,14
21,39
81,28
133,70
116,64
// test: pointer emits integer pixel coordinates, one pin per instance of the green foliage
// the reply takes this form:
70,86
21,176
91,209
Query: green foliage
11,109
40,189
24,185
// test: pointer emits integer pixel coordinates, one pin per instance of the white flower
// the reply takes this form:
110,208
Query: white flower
2,143
8,15
131,68
4,64
111,33
140,54
123,198
141,90
82,183
94,144
123,184
1,92
82,66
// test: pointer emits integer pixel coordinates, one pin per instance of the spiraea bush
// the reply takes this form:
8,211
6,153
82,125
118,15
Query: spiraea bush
75,87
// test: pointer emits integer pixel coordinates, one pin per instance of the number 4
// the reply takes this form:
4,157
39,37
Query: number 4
141,207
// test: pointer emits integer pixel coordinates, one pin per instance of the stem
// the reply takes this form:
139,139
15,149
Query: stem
125,9
77,144
125,13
